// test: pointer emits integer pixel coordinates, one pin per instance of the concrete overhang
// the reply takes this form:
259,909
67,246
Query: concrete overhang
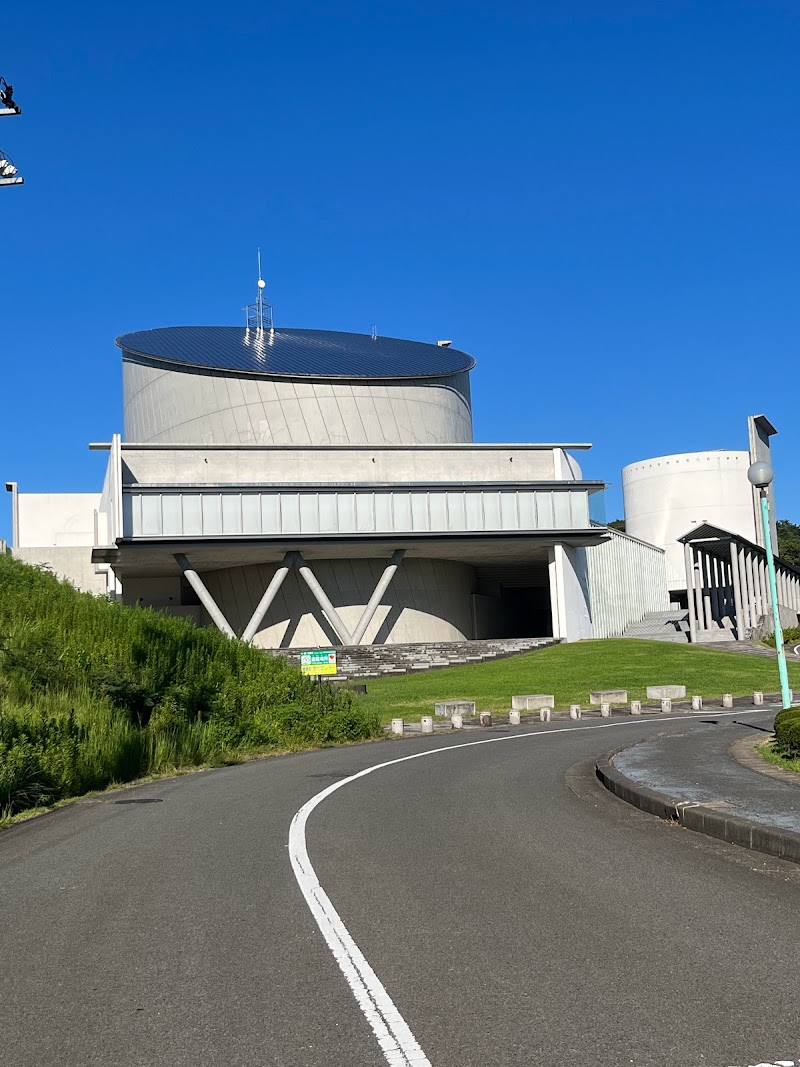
155,557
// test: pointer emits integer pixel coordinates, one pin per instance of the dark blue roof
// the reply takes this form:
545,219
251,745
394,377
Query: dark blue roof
294,353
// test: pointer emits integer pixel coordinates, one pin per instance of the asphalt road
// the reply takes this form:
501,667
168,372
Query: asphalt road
515,912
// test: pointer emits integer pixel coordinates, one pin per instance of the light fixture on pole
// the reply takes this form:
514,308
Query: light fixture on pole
760,475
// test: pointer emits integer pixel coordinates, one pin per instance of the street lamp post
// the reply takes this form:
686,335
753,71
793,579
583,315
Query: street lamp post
760,475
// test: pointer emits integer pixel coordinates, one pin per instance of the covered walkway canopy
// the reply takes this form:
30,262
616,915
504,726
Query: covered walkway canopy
728,587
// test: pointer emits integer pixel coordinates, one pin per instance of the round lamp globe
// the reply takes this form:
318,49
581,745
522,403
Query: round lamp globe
760,474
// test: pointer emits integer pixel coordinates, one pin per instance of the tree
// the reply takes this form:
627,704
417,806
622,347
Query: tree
619,524
789,542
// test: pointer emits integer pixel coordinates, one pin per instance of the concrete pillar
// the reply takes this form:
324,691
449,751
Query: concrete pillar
321,598
377,596
737,592
746,604
206,599
687,563
716,590
751,588
730,603
426,724
269,595
764,579
397,726
705,570
698,592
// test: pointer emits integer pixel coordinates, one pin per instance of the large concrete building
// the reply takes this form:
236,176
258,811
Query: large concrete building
667,496
302,488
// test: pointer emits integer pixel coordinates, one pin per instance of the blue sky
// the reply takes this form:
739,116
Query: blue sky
599,201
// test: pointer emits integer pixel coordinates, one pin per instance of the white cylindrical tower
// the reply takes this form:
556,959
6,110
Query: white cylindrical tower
668,496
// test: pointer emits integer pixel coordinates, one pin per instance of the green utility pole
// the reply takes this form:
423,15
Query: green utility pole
760,475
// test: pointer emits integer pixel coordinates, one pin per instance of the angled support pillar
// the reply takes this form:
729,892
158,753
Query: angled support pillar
321,598
375,599
206,599
270,593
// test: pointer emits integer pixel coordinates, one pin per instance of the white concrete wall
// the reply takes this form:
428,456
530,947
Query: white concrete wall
182,406
668,496
73,564
627,578
293,465
569,593
57,519
429,600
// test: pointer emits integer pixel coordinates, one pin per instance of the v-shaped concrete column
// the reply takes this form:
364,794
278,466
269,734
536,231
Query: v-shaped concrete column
321,598
383,584
270,593
206,599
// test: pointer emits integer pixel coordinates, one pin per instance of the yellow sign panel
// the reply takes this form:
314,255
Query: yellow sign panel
319,662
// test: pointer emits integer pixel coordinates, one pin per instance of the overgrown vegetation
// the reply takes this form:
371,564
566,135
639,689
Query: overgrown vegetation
93,693
791,636
787,733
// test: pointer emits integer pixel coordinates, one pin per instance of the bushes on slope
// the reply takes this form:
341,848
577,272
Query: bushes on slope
92,692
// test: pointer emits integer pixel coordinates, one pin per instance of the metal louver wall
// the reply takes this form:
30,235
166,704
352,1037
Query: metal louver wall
627,578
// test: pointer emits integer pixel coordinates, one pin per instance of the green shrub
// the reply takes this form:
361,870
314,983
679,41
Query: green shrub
787,732
791,636
93,692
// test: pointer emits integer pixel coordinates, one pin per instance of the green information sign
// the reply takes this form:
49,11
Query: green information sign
320,662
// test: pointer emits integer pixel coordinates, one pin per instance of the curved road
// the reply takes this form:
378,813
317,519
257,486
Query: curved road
515,913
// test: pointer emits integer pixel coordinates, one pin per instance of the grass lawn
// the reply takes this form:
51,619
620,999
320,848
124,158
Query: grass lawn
786,763
570,671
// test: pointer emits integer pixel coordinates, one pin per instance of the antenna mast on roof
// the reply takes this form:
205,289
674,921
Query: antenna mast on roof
259,315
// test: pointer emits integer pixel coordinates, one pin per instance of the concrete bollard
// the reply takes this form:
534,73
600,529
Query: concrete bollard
697,703
426,722
457,721
727,700
636,707
666,704
513,718
397,726
486,718
605,710
544,715
574,711
758,698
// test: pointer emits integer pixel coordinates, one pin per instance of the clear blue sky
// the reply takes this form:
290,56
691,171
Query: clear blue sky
597,200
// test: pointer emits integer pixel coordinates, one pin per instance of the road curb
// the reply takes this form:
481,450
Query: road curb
784,844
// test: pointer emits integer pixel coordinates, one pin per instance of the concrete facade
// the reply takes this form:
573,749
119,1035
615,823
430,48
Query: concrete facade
473,525
190,406
428,600
58,531
627,578
669,495
344,506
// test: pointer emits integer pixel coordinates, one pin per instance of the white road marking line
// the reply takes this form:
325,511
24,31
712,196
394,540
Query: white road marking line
398,1044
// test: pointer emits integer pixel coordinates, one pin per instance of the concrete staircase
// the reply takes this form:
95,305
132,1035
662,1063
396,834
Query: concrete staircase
673,625
669,625
376,661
